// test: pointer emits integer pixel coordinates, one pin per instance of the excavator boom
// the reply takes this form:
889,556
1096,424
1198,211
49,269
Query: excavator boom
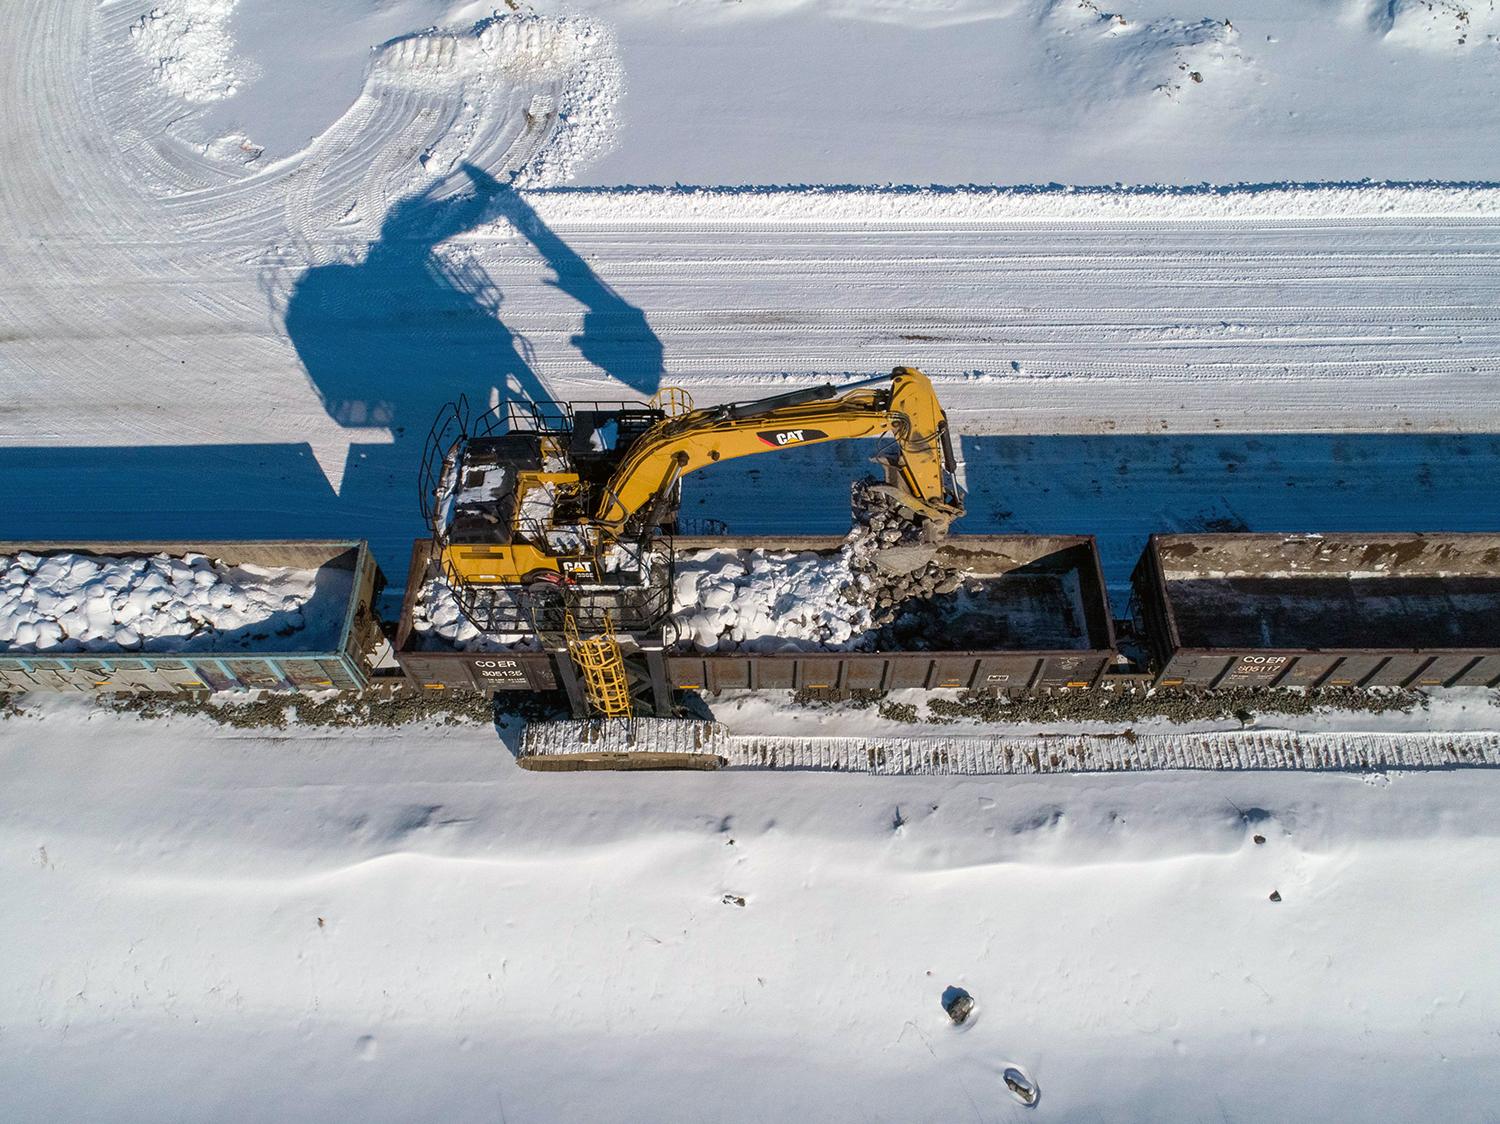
920,473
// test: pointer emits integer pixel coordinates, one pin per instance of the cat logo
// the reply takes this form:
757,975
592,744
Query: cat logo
578,566
779,438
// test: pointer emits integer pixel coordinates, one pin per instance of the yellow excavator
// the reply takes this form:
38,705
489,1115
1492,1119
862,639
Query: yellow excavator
575,494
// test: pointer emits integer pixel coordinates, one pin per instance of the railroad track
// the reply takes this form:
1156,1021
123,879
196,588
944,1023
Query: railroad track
667,743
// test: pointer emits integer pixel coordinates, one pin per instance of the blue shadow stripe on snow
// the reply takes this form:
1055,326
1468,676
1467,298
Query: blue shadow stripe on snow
197,492
1122,488
1119,488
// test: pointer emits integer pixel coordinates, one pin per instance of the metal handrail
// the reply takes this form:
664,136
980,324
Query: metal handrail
448,428
637,595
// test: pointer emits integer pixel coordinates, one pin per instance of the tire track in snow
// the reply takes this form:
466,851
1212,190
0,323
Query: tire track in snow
115,233
140,293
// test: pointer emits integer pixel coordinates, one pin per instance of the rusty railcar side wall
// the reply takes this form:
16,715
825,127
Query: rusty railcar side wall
1009,672
158,674
1387,664
1015,671
1202,668
1151,609
345,667
455,669
482,671
842,671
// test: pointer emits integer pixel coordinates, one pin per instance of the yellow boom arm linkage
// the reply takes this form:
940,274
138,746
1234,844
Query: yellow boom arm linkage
919,475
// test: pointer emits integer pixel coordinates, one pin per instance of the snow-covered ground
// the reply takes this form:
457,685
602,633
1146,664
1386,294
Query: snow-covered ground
249,247
203,924
906,91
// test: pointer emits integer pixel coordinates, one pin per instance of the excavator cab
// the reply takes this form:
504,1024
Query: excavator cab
512,500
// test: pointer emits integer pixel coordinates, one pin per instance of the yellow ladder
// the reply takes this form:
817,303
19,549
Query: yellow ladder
598,657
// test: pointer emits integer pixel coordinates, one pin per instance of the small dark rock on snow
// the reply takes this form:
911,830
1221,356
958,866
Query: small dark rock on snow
1021,1087
959,1004
1275,895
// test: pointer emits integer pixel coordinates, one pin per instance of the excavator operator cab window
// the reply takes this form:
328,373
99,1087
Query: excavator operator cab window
595,433
607,434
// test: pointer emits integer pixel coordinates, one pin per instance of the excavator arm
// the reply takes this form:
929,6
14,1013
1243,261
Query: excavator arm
919,473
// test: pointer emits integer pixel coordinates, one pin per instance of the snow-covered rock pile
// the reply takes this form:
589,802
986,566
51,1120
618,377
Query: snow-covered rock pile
440,623
770,601
1437,24
84,603
1133,57
766,601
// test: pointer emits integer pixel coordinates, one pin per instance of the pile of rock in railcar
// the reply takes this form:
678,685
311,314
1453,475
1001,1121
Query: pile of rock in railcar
888,559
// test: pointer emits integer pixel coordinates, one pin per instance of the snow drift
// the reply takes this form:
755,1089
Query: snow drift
188,47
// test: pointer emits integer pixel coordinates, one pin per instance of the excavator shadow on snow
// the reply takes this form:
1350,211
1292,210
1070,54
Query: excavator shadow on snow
386,339
389,340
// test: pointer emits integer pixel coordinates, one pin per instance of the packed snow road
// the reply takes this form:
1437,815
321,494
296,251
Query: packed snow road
1128,337
1056,327
1037,327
